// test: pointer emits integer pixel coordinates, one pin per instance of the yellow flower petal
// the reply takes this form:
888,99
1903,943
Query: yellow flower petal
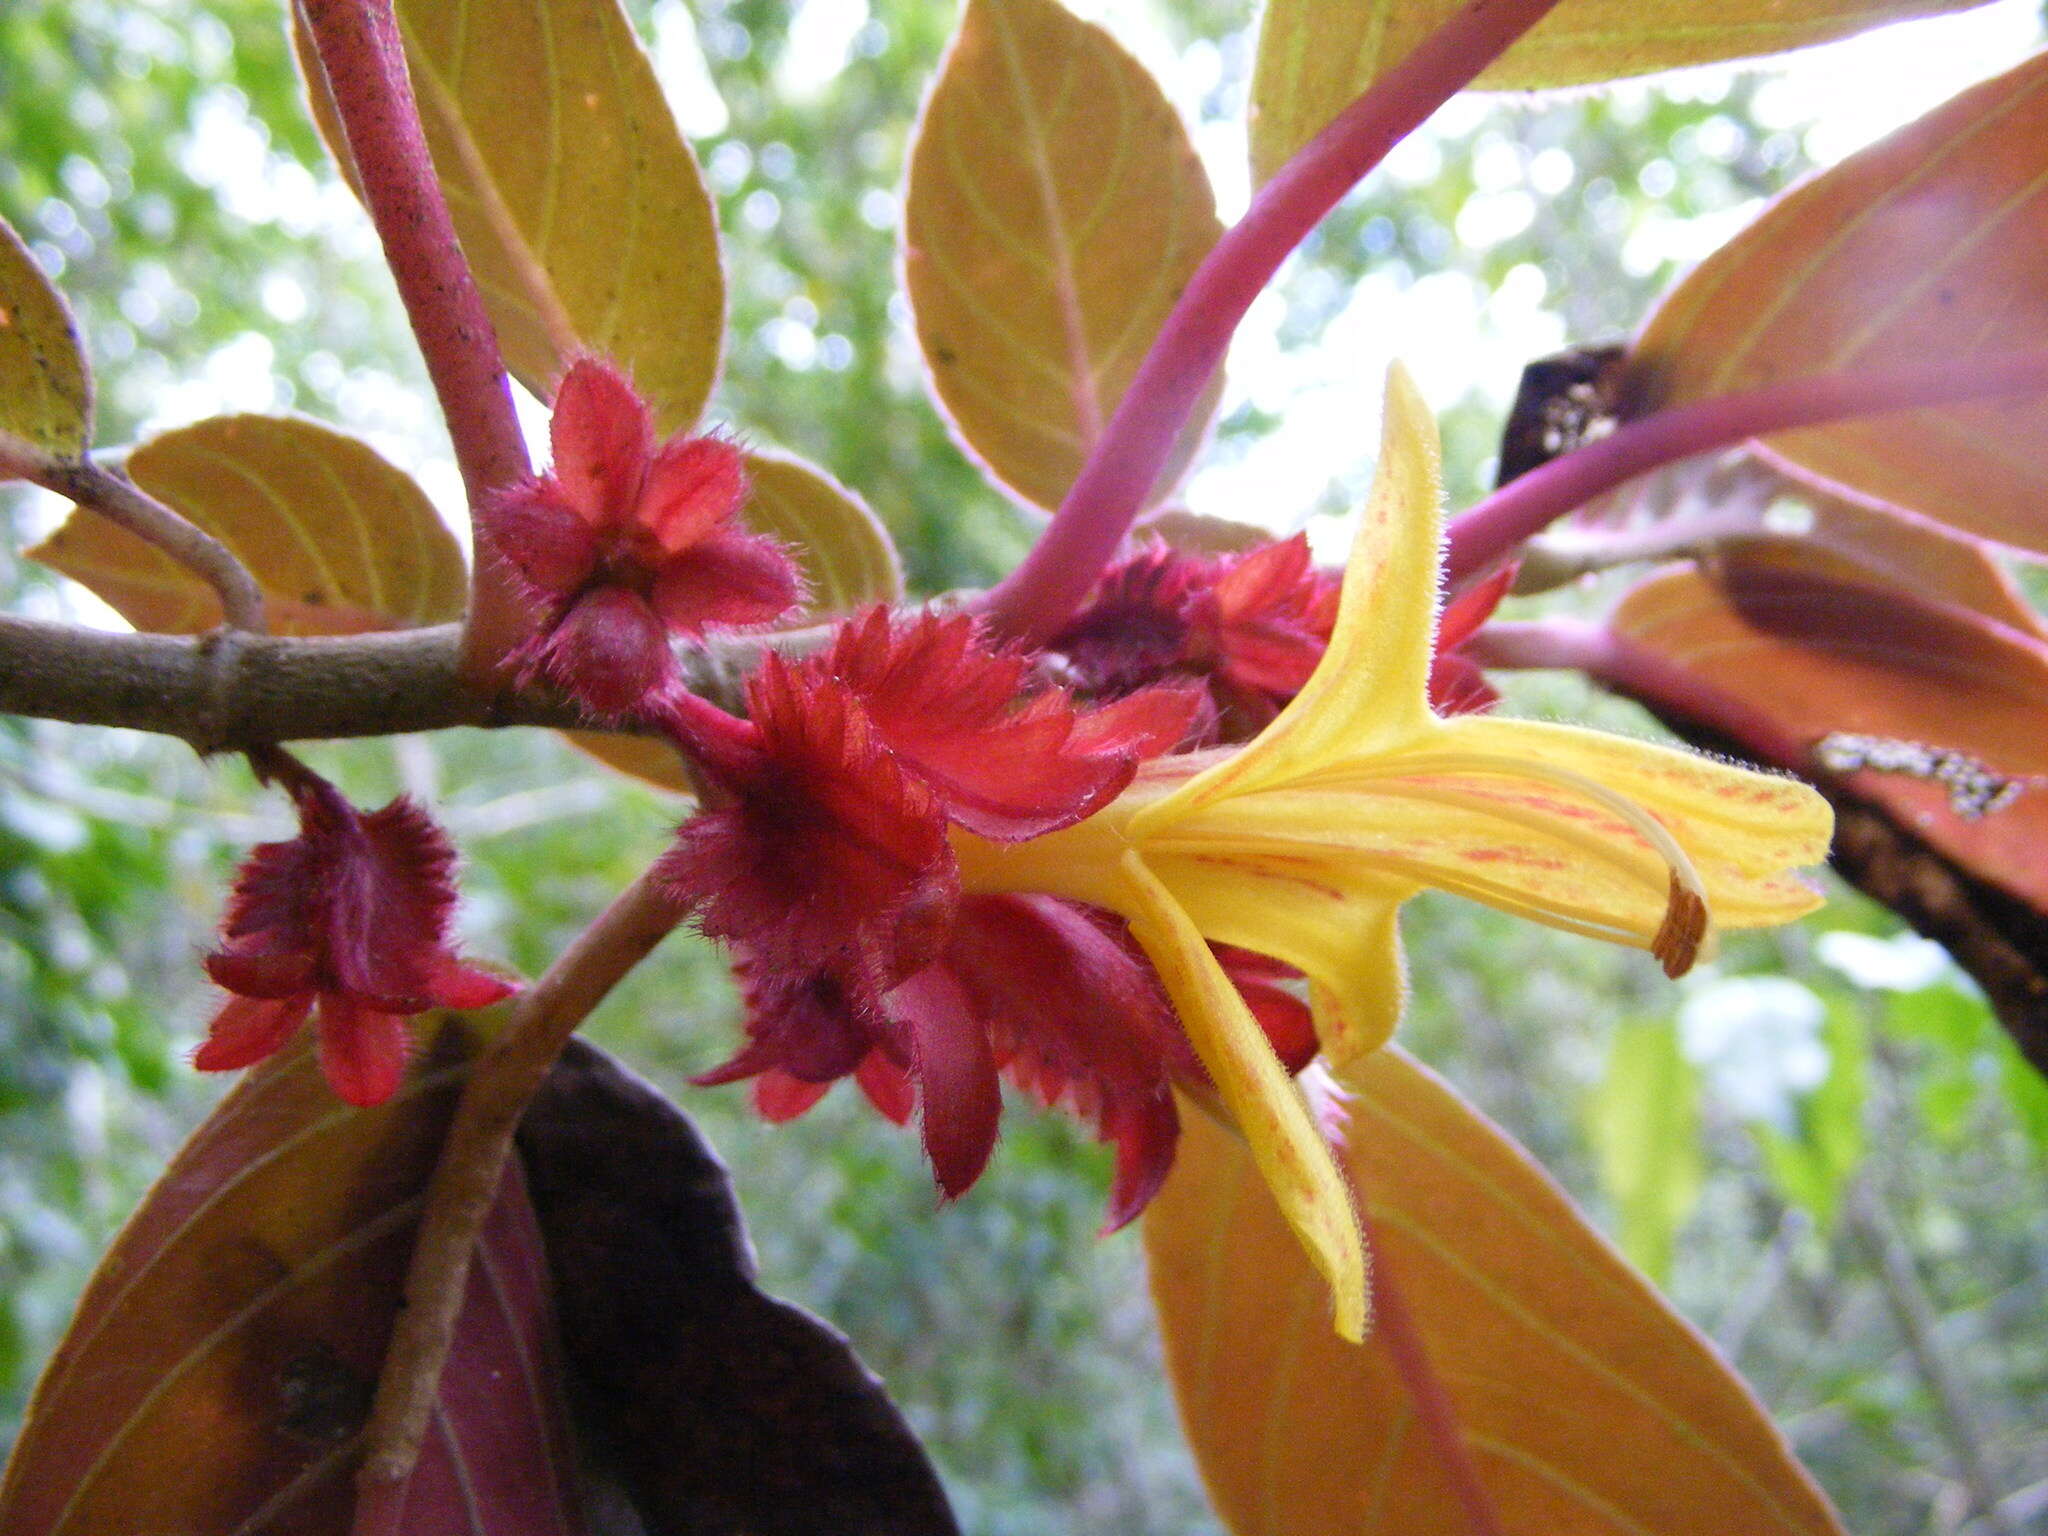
1370,692
1339,926
1753,820
1285,1144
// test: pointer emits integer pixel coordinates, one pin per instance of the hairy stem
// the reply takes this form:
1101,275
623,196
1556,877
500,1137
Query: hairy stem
363,57
465,1182
1110,490
1488,533
123,502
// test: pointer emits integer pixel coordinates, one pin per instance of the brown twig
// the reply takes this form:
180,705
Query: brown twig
278,688
465,1180
123,502
363,57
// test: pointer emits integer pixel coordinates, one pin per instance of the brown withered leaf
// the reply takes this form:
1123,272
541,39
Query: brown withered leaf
1999,938
723,1411
1583,1402
578,203
340,540
1561,401
1930,244
45,388
1055,209
1316,55
219,1369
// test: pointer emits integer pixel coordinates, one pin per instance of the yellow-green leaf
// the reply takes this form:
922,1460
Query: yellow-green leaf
1930,244
1315,56
1054,211
45,391
217,1373
580,207
1198,533
847,558
638,757
340,541
1583,1401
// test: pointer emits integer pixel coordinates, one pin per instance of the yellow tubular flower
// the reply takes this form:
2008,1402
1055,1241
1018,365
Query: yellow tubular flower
1303,845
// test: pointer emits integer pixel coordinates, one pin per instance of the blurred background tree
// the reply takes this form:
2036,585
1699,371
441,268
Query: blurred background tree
1821,1143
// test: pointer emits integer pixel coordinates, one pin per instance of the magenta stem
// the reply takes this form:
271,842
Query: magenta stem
1484,536
1661,685
363,57
1108,494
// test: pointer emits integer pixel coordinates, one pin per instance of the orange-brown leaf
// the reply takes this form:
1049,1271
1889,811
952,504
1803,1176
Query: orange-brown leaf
1864,541
1316,55
1054,211
45,388
1584,1402
1819,657
340,541
579,205
1931,244
217,1373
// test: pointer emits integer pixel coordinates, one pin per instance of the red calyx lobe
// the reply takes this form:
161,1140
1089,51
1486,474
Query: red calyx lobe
626,541
1251,626
828,871
350,916
1051,994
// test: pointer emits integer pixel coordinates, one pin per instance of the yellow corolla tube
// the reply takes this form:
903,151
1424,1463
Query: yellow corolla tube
1303,844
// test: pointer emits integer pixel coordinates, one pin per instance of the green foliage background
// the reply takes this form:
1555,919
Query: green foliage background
1866,1245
